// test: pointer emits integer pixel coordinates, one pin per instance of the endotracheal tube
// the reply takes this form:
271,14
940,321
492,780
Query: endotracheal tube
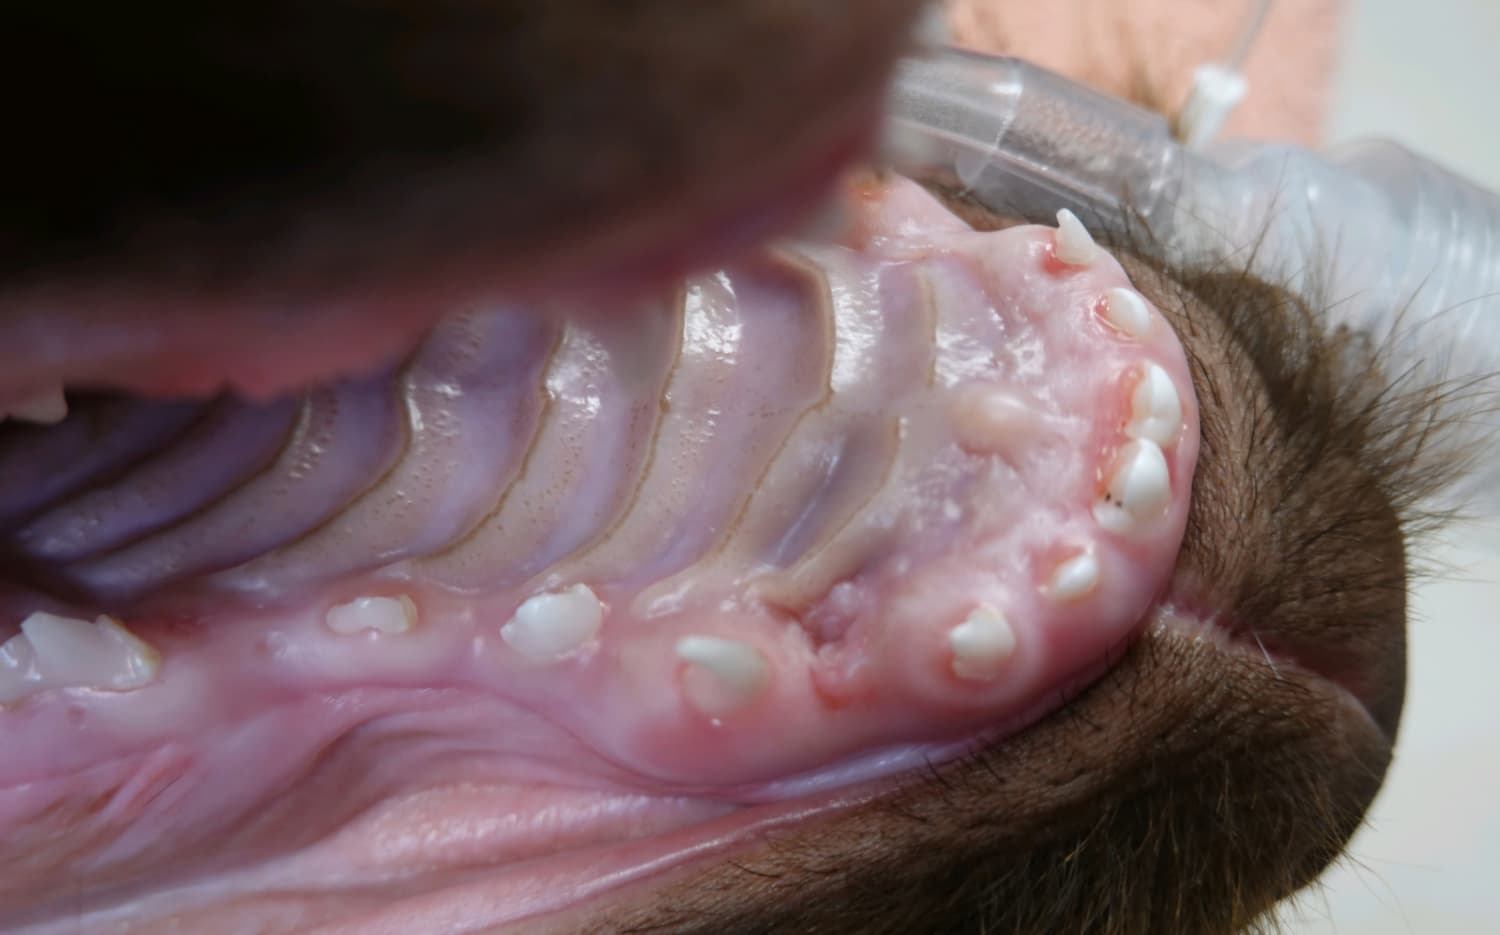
1404,250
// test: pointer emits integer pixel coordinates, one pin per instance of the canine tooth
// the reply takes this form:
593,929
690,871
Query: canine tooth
1155,407
1139,491
1075,245
1075,578
392,615
102,655
46,407
723,675
549,627
1126,311
981,645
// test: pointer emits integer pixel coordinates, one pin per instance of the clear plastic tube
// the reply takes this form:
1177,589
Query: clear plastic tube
1023,140
1401,248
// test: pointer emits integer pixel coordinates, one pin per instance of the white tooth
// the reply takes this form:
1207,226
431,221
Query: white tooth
1127,312
102,655
1075,246
47,407
981,645
723,675
1075,578
1140,490
1156,408
549,627
137,663
393,615
18,675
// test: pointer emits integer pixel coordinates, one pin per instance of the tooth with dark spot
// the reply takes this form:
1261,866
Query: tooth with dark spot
1139,490
45,407
722,675
392,615
982,645
1075,245
1155,407
551,627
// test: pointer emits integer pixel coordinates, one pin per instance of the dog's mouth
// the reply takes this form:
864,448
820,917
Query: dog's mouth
561,591
371,618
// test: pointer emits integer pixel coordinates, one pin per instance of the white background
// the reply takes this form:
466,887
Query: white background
1427,73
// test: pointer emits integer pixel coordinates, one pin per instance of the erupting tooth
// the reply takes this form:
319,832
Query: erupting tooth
989,420
74,653
1126,311
1075,578
393,615
1139,491
550,627
1075,246
1155,407
47,407
723,675
982,645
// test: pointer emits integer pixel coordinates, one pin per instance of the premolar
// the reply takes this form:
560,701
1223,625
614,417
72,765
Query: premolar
52,651
550,627
391,615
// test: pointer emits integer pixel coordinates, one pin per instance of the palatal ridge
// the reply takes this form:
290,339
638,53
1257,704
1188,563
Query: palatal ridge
791,492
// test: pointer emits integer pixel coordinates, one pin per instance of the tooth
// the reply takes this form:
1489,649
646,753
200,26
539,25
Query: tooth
1127,312
102,655
549,627
392,615
1075,246
981,645
18,675
989,420
47,407
1139,491
1075,578
723,675
1156,408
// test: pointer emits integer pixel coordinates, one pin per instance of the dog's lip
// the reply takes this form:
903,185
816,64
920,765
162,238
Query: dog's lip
178,357
1351,686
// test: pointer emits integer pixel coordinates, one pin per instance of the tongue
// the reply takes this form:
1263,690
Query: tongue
822,516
